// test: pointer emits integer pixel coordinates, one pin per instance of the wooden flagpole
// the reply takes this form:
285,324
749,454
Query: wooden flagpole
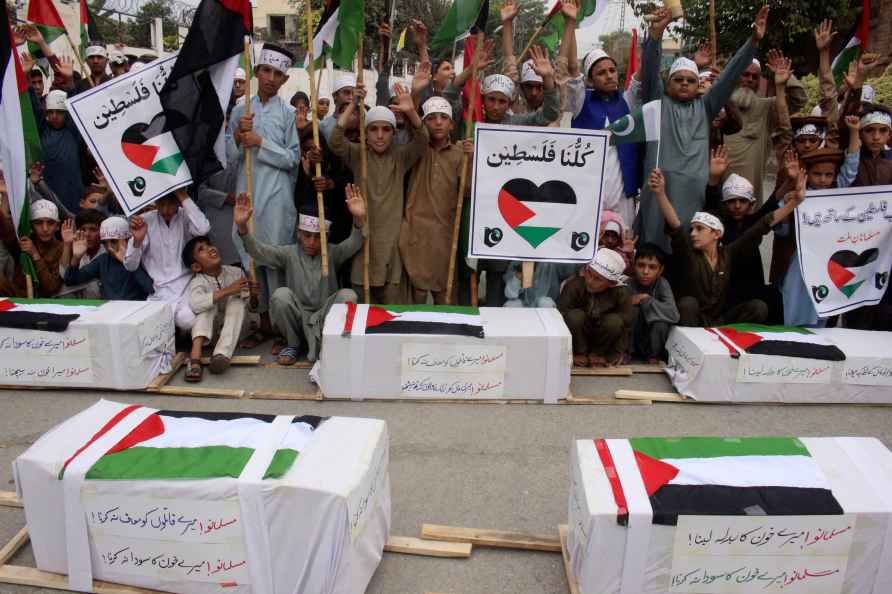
463,174
320,200
713,38
532,40
363,179
249,169
77,54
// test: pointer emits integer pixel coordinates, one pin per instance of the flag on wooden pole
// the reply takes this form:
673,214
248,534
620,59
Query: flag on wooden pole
462,16
632,64
336,33
856,45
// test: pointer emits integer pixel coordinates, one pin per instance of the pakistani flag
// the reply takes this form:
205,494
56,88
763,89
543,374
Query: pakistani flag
170,445
856,45
418,319
774,476
643,125
43,15
589,12
462,15
785,341
337,34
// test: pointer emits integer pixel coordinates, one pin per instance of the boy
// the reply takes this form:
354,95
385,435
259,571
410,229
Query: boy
704,266
86,224
653,305
157,243
299,308
43,247
61,144
116,282
215,289
426,232
547,279
388,164
598,310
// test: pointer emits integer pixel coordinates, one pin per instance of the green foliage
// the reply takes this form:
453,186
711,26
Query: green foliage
882,85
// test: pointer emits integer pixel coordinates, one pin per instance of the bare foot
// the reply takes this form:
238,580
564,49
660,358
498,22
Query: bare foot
596,360
580,360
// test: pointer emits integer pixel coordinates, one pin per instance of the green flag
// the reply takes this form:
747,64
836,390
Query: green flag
462,15
642,125
589,12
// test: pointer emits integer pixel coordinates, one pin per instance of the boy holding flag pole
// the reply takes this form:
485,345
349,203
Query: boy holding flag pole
314,104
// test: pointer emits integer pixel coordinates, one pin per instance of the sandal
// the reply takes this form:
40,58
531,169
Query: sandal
255,339
287,356
278,345
194,371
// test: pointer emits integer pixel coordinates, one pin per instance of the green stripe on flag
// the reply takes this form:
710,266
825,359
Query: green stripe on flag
168,165
351,22
714,447
445,309
849,54
761,328
72,302
141,463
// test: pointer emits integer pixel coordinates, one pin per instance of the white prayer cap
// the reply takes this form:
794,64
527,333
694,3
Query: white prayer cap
310,224
876,117
380,113
498,83
868,94
684,64
343,81
707,74
436,105
96,50
528,74
117,57
44,209
757,64
711,221
592,58
613,226
808,130
610,265
56,100
114,228
240,74
737,186
275,57
816,111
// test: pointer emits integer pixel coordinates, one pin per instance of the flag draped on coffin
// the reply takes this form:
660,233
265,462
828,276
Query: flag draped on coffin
419,319
46,315
43,15
786,341
337,34
856,45
170,445
462,15
197,92
730,477
642,125
589,12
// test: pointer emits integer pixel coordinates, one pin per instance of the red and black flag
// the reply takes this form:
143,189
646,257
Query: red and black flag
197,92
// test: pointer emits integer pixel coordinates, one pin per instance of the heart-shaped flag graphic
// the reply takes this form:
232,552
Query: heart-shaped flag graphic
846,269
536,212
151,146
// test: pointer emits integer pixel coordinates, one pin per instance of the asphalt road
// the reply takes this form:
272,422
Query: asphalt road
495,466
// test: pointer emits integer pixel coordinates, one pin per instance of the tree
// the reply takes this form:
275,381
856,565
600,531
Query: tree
617,44
139,30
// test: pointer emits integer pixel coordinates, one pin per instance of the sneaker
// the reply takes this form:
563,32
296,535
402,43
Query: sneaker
287,356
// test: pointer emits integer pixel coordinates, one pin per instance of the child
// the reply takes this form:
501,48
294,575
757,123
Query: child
298,309
87,223
546,289
157,242
654,311
61,144
612,235
387,166
215,289
43,247
116,282
705,266
598,310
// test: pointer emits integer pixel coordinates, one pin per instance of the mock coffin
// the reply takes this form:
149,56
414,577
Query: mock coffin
444,352
752,363
198,503
731,516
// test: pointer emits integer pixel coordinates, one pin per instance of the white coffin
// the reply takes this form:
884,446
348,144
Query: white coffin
119,345
527,354
701,368
326,519
608,558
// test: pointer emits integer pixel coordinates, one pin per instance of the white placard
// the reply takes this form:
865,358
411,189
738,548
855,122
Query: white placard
844,243
40,357
772,369
453,358
157,334
123,124
536,193
749,554
415,384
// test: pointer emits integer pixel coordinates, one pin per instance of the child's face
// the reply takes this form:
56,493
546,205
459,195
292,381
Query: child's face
875,137
439,126
115,246
821,176
270,80
807,143
610,239
738,208
91,232
534,93
444,74
44,229
56,118
344,95
495,105
205,257
594,282
379,135
703,237
322,108
91,201
647,270
311,243
167,208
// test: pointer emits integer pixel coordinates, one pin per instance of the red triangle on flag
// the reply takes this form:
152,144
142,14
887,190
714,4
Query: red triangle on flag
655,473
43,12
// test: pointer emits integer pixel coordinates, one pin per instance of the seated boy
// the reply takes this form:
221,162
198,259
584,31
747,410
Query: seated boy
298,309
43,247
704,266
215,289
654,310
598,310
87,223
116,282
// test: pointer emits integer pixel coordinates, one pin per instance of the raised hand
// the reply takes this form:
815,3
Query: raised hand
703,55
659,20
781,66
422,77
139,229
853,123
68,232
824,35
31,33
79,247
657,182
355,201
629,242
509,10
419,32
100,178
66,67
760,25
242,212
801,188
791,163
28,62
541,62
36,173
484,58
718,163
570,9
403,101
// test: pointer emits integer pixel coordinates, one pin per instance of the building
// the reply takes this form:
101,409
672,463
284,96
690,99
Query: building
277,21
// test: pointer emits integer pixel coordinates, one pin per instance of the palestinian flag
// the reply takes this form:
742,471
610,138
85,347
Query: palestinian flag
337,34
716,476
589,12
20,141
418,319
171,445
462,16
197,92
642,125
89,29
471,90
632,63
47,315
536,212
43,15
849,270
785,341
152,147
856,45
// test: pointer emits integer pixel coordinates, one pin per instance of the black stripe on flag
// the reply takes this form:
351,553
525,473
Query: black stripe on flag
430,328
330,7
825,352
671,501
310,420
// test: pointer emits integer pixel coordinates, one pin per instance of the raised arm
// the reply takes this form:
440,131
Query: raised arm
652,56
782,68
824,35
508,13
724,86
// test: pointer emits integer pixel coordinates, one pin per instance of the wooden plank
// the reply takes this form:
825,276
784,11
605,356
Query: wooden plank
622,371
237,360
278,395
10,499
299,365
199,392
500,539
571,579
163,378
28,576
603,400
660,368
12,547
652,396
409,545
